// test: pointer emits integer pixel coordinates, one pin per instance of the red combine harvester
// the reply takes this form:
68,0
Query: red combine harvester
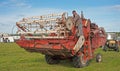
56,39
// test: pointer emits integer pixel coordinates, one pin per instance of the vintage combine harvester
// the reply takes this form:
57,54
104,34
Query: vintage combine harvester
54,35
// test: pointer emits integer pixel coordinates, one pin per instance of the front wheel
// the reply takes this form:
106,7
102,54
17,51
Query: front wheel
80,61
51,59
117,48
98,57
105,48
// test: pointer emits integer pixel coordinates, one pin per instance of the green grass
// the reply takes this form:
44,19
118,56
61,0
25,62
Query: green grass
14,58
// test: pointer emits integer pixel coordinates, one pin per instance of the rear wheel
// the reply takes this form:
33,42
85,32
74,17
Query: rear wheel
80,61
51,59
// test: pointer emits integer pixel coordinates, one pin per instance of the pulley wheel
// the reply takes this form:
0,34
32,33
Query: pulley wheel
69,23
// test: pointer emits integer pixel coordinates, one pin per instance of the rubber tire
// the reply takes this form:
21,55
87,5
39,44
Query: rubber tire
51,60
98,58
77,62
105,48
117,48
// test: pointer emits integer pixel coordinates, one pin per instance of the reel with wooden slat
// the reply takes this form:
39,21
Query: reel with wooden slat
45,24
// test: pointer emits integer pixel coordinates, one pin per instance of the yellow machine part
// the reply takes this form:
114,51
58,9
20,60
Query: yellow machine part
112,41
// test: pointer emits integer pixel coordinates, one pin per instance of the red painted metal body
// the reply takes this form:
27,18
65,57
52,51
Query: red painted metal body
94,37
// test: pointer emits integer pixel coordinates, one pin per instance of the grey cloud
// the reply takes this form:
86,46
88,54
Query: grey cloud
115,7
19,16
15,3
3,24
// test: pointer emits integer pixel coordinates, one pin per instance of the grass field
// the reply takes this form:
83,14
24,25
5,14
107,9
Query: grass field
14,58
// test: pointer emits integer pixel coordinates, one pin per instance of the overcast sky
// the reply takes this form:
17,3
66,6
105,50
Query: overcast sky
105,13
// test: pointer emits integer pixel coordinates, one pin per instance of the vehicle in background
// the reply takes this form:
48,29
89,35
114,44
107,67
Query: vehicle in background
8,37
112,42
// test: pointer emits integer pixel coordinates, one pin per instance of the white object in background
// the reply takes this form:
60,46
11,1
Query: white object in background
109,37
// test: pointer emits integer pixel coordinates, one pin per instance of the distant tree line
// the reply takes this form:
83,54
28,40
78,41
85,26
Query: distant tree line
117,33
